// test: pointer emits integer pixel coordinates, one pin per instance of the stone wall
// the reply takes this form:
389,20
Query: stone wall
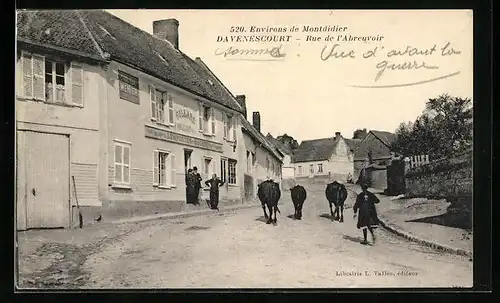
447,178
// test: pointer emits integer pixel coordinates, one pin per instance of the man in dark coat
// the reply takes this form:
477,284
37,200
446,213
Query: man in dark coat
214,185
190,188
367,218
197,185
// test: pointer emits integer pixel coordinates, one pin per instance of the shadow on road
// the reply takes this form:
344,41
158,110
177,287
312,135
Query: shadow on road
352,239
456,220
291,217
326,216
261,219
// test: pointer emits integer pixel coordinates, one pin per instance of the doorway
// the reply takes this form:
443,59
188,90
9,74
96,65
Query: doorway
42,180
187,165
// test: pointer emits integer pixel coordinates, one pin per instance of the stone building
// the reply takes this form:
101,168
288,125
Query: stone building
121,112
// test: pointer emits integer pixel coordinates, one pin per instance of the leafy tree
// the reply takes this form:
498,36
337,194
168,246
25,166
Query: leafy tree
444,128
360,133
288,141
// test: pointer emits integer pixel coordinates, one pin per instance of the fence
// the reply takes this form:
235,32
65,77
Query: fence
416,161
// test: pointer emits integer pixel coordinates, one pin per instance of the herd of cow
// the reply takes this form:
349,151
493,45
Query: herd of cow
269,194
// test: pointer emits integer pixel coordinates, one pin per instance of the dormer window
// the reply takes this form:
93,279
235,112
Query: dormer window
210,82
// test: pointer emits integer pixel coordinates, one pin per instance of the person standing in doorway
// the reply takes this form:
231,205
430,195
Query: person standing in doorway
214,185
367,217
197,185
190,188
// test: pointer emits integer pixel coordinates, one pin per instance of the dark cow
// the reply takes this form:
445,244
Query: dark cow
336,194
269,194
299,195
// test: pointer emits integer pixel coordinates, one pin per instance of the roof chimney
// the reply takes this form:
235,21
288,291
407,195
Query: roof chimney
337,135
167,29
256,121
241,99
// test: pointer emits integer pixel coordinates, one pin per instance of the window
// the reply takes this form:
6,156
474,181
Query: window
231,171
207,168
161,102
311,168
129,87
268,166
51,81
55,74
122,163
207,120
229,127
164,170
300,170
320,168
223,170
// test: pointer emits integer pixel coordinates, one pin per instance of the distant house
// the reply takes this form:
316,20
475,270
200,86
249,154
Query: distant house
287,170
330,158
374,152
263,160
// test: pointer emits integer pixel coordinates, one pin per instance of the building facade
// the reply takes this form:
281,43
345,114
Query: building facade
264,161
288,169
374,152
60,94
125,114
330,158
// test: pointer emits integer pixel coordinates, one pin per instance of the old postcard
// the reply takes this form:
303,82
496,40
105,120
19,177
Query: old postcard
243,149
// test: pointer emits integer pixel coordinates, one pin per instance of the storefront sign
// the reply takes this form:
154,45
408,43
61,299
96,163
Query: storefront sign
185,114
182,139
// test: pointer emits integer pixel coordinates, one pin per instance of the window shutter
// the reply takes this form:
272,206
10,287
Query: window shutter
27,75
38,77
171,113
234,128
212,117
173,178
200,117
152,97
77,84
155,168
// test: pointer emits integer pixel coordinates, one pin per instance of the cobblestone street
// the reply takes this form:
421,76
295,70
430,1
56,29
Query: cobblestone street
238,249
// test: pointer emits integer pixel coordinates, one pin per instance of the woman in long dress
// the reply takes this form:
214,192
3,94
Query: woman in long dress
367,216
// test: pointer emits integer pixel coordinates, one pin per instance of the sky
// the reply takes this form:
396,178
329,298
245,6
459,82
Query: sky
311,92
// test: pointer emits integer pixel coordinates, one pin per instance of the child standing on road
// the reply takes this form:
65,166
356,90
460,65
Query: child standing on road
367,219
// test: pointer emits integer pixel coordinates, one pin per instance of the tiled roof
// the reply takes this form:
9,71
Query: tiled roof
99,32
352,143
315,150
59,28
260,138
282,147
386,137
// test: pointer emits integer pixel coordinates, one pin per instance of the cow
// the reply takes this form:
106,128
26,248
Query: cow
299,195
269,194
336,194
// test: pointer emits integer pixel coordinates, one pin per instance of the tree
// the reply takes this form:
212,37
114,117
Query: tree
360,133
288,141
444,128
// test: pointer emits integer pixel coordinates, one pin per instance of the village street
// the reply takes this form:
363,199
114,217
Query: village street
239,250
